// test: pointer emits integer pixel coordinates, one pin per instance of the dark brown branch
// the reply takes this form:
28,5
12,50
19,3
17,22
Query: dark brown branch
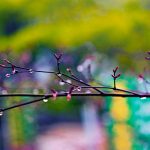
42,97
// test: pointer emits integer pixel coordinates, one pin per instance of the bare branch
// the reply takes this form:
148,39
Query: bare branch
76,86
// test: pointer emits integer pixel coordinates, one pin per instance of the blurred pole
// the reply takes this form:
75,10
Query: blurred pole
93,131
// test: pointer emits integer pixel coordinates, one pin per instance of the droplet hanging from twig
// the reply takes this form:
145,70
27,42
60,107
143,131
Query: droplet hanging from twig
45,100
59,74
7,75
79,89
143,98
30,71
1,113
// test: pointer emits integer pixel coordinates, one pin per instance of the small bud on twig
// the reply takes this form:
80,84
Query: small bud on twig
54,93
140,76
115,70
58,56
68,97
118,75
70,71
69,94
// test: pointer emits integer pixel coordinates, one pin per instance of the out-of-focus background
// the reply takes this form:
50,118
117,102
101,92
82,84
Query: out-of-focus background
102,33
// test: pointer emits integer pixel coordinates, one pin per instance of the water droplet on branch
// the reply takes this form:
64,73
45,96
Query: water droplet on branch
4,92
35,91
7,75
1,113
69,81
79,89
142,98
30,71
45,100
61,83
88,92
59,74
80,68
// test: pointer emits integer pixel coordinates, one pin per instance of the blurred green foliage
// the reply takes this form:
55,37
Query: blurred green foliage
109,24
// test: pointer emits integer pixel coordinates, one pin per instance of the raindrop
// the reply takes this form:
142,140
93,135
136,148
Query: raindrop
35,91
80,68
88,92
45,100
79,89
142,98
68,81
61,83
1,113
59,74
30,71
68,69
7,75
4,92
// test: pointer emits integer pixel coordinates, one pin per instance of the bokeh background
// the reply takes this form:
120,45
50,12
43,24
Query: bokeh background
102,33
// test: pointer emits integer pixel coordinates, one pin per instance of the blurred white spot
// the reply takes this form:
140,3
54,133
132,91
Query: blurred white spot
1,113
61,83
140,80
88,91
68,81
59,74
30,70
80,68
45,100
35,91
143,98
4,92
78,89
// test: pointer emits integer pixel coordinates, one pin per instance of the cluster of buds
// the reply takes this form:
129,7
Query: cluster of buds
114,73
68,97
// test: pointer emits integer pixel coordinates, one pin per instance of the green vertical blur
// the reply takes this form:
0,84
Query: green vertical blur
21,124
127,121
